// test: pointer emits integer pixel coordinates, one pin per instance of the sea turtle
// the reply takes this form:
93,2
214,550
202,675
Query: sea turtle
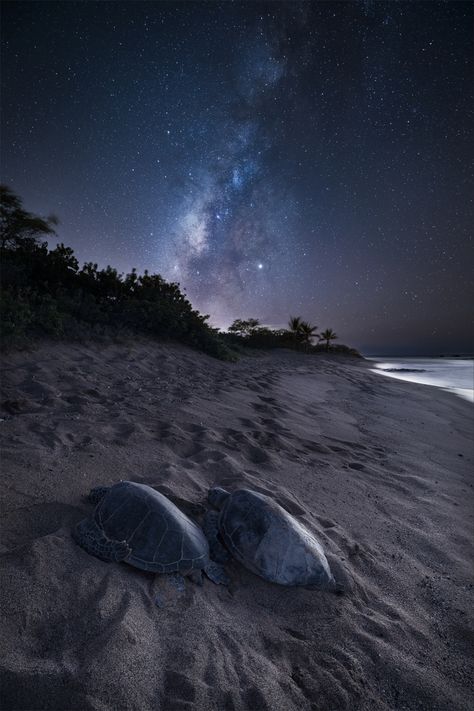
134,523
266,539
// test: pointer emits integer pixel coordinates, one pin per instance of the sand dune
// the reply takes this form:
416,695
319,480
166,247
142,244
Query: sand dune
378,469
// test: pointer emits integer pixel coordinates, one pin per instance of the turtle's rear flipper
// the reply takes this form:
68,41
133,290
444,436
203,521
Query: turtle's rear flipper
90,537
217,574
211,530
196,577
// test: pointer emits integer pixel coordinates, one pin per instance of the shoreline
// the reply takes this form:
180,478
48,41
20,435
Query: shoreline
445,379
378,468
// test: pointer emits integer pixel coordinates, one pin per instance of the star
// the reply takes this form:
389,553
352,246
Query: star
362,210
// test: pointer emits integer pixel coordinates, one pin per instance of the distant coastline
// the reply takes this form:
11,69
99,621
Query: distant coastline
451,373
463,356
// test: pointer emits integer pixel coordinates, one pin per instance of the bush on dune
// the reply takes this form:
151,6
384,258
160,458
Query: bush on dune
45,293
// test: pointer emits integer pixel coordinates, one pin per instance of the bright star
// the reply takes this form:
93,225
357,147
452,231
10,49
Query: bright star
260,266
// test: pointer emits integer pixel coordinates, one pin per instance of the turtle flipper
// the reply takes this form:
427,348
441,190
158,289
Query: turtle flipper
211,530
216,573
177,581
196,577
90,537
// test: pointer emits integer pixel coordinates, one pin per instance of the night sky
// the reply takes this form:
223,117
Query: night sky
273,158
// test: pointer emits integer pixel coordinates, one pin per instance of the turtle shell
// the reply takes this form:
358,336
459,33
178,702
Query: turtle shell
161,537
269,541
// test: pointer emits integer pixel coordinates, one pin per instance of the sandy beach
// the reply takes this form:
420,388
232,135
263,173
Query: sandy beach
380,470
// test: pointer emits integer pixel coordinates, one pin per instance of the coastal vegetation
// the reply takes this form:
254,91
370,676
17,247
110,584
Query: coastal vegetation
45,292
300,335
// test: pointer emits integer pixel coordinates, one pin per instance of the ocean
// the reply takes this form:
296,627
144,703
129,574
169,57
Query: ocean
455,375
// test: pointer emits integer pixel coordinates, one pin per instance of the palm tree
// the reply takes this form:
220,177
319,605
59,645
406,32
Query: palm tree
307,332
294,324
302,331
328,335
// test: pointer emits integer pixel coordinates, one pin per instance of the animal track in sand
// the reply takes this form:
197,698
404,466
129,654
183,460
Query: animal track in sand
186,449
267,439
120,432
48,435
209,455
356,465
325,522
256,455
313,446
193,428
272,425
263,407
177,685
255,699
346,444
246,423
27,523
297,635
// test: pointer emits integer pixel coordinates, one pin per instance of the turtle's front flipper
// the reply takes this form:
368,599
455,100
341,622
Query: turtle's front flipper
216,573
211,530
177,581
90,537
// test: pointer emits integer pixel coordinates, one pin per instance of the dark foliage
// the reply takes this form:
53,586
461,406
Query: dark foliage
44,292
249,334
18,227
339,349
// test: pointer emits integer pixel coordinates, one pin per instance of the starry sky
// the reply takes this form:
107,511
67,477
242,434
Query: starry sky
280,158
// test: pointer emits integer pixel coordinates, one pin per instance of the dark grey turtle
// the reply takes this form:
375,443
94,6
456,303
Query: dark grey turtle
266,539
134,523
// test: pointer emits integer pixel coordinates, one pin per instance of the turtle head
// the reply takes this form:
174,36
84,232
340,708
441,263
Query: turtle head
97,494
217,496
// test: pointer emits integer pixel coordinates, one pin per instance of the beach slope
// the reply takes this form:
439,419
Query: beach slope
379,469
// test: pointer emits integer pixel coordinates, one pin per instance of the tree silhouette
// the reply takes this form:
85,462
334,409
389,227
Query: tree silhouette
328,335
307,332
302,331
294,324
244,328
19,228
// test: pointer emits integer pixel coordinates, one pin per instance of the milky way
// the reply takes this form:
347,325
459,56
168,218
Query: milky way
274,159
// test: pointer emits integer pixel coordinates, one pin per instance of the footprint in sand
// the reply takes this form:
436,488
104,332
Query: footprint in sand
38,520
297,635
122,432
209,455
178,686
356,465
325,522
256,454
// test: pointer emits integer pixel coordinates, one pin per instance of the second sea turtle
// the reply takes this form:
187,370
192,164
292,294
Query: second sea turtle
266,539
